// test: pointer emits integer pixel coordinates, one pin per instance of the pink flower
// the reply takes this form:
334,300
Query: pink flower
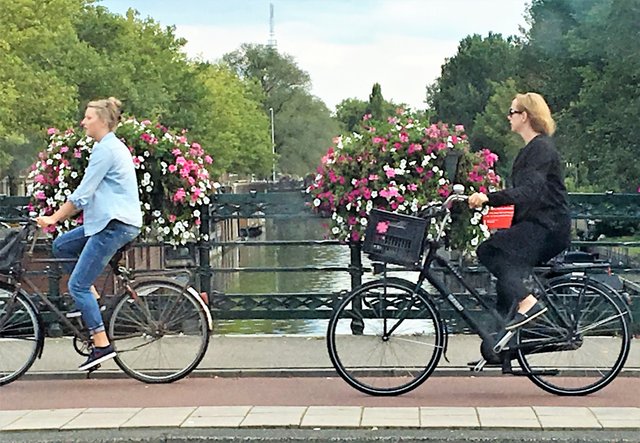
412,187
176,152
172,218
197,221
173,168
179,195
51,131
382,227
39,195
64,149
404,137
355,235
390,172
39,178
366,117
459,128
77,153
374,177
208,159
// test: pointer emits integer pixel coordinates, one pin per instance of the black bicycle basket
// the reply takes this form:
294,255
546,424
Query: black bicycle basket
394,238
12,246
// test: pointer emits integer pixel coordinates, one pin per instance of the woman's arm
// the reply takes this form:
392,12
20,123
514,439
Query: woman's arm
65,211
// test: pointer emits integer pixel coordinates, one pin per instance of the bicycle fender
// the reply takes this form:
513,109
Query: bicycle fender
605,287
190,289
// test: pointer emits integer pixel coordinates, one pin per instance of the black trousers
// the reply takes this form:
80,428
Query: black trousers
511,255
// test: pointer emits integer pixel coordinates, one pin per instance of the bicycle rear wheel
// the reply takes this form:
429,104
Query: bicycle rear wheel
20,335
385,339
161,334
580,345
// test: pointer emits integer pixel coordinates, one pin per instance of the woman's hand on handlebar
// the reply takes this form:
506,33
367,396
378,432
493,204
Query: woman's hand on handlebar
477,199
45,220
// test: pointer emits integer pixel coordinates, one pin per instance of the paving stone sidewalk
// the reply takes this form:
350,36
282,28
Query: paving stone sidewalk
323,417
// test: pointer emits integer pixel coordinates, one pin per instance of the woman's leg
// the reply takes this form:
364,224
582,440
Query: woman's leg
510,286
94,257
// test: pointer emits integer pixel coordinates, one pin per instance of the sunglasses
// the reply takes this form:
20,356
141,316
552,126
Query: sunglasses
513,111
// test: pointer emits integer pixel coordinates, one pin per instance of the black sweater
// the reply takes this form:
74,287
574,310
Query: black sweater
537,186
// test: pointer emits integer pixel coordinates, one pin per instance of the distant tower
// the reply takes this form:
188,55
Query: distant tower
272,35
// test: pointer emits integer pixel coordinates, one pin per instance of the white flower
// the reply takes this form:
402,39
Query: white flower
335,230
196,213
74,174
317,202
442,182
349,206
339,220
475,241
374,194
364,221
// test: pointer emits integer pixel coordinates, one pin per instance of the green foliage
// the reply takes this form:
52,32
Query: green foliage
466,81
591,77
491,128
302,124
237,129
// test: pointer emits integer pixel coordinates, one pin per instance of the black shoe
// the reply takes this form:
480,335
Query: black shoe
521,319
97,356
76,312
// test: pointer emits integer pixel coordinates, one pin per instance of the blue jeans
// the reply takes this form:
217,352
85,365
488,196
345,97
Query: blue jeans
93,254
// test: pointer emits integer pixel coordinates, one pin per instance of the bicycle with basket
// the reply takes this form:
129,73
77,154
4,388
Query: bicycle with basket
387,336
159,326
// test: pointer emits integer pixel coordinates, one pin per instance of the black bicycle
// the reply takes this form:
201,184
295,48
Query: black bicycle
386,337
159,327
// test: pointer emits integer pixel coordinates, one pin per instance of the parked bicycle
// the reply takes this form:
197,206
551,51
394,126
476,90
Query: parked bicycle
160,328
386,337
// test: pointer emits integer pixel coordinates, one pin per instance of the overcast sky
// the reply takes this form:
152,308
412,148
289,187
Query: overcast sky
345,45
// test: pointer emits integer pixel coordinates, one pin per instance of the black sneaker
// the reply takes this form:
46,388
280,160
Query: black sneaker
76,312
521,319
97,356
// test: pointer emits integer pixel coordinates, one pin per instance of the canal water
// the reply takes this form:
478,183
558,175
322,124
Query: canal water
285,282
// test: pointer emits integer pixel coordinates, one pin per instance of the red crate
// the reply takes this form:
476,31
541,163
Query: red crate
499,217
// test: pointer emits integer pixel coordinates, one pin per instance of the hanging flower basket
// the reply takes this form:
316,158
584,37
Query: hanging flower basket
173,177
402,165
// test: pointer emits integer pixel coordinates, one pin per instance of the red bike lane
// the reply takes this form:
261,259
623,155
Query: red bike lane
487,391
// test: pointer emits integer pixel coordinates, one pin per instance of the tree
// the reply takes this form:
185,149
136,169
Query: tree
306,130
491,128
237,131
303,124
349,113
465,82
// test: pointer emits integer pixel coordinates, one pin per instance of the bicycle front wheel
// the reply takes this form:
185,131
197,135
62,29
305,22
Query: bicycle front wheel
384,338
20,335
161,333
580,345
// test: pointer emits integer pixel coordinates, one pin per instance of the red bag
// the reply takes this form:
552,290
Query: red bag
499,217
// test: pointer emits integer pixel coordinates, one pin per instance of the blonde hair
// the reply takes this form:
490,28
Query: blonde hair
108,110
538,112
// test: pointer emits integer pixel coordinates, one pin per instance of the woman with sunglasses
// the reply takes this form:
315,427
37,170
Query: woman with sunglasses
541,223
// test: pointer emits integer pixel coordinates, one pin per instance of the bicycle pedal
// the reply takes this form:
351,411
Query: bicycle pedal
92,370
500,346
480,365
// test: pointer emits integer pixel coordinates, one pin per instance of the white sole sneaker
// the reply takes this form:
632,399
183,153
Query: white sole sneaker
97,361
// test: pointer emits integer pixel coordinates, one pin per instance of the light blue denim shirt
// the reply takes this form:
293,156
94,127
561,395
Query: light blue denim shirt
109,188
